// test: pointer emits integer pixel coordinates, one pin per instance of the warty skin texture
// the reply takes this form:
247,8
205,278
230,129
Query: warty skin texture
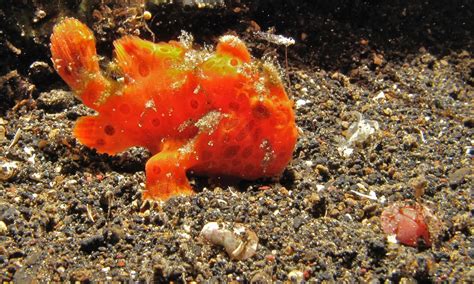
215,113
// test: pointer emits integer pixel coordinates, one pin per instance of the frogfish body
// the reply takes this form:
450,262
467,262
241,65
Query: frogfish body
215,113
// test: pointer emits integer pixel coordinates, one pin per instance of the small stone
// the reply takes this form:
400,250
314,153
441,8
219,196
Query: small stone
91,244
334,212
468,122
419,184
40,72
388,111
3,228
410,141
458,176
55,100
345,125
470,151
350,202
81,275
300,103
10,215
17,253
114,234
377,248
8,169
322,170
369,210
288,250
121,263
296,276
317,205
106,199
3,133
261,277
443,62
298,221
378,59
270,258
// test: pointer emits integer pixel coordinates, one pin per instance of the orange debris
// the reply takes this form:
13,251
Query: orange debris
216,114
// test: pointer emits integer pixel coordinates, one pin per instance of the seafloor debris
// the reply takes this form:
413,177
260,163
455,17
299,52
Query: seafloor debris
296,276
3,129
197,3
8,169
275,39
358,133
3,228
240,242
469,151
410,224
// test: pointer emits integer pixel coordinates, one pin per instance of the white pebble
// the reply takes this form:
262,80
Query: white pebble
300,103
3,228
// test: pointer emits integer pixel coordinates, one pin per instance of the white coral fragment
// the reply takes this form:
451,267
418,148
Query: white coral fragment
276,39
358,133
240,243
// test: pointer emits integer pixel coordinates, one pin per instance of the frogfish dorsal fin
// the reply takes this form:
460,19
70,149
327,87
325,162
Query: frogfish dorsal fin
234,47
137,57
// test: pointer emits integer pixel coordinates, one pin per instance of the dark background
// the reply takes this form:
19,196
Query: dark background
327,33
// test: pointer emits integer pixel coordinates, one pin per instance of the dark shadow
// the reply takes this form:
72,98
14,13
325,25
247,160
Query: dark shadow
334,29
328,34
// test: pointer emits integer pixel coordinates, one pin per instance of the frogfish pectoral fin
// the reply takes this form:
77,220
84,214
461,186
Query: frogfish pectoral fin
97,133
166,175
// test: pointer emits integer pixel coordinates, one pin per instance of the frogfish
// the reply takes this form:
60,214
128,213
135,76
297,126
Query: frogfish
208,112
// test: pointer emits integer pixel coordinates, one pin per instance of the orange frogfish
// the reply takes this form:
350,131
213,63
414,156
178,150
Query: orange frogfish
212,113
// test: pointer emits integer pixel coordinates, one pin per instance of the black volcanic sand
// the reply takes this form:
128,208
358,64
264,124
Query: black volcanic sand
70,214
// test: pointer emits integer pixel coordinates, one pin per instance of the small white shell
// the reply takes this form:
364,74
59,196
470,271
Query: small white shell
240,243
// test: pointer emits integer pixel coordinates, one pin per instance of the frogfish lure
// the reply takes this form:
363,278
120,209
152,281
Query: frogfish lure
217,113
